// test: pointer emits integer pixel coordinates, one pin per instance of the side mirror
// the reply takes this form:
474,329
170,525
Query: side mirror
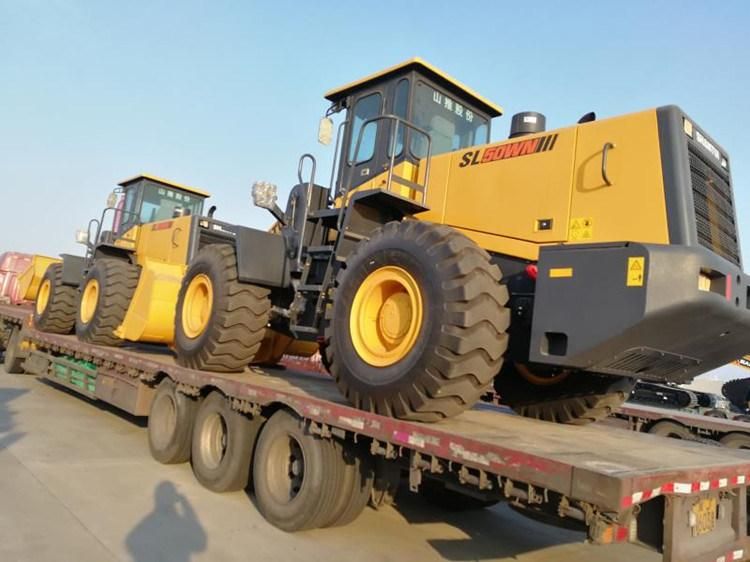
325,131
111,200
82,237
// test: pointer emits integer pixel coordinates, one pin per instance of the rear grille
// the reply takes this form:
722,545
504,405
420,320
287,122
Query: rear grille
645,362
714,207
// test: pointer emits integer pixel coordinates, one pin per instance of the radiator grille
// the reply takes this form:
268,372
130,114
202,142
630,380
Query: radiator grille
714,207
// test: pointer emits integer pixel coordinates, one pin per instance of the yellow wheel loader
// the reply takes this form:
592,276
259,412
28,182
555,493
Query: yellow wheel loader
127,286
557,266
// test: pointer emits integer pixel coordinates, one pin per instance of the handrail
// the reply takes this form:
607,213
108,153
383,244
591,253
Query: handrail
392,149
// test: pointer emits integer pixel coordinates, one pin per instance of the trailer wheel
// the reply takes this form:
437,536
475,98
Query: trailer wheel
418,327
219,323
667,428
55,305
356,487
570,397
736,440
12,363
170,424
107,291
222,445
297,475
437,493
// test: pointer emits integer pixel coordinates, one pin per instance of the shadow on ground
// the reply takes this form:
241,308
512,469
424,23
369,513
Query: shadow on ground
170,533
8,434
489,533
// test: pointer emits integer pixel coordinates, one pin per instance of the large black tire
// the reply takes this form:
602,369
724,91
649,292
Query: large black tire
12,361
462,335
666,428
577,398
736,440
237,321
117,281
356,488
170,423
297,476
55,307
222,445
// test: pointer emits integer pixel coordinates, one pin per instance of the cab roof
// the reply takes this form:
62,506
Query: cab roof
167,183
422,66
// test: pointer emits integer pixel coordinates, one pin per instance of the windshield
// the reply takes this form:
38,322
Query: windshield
161,203
451,125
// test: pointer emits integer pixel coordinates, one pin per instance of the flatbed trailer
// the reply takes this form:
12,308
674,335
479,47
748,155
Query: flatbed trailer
683,499
679,424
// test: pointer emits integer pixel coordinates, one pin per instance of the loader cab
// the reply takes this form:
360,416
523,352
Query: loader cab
145,199
400,117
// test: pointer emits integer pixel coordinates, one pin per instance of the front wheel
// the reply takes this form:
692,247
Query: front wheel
220,323
418,326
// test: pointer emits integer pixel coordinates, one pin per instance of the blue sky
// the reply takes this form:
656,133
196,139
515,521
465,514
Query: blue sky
219,94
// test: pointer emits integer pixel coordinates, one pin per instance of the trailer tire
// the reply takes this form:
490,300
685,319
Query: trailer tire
220,322
170,424
222,445
356,487
666,428
418,327
12,363
105,297
438,494
736,440
576,398
55,305
297,476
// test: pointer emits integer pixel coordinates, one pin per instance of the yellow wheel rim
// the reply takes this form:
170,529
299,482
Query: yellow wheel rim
89,300
197,306
42,297
386,316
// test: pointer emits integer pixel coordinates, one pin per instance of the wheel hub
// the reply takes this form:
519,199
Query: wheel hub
197,306
42,298
89,300
386,316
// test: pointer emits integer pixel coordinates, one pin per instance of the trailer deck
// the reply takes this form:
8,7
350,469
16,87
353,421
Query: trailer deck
619,484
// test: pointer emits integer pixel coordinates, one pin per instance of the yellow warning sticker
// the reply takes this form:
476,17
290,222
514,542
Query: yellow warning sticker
560,272
636,272
581,228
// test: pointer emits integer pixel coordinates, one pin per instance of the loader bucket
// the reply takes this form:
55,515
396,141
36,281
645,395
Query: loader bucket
31,277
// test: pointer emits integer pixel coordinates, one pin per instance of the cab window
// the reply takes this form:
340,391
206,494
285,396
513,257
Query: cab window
162,203
450,124
365,108
400,109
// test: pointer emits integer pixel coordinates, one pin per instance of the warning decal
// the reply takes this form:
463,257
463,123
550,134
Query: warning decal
636,272
581,228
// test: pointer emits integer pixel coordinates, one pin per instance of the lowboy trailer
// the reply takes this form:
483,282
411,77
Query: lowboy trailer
683,499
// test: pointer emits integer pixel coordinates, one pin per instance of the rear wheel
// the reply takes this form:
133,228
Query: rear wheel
736,440
12,362
55,305
296,474
671,429
418,324
562,396
356,487
107,291
222,445
170,424
220,323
